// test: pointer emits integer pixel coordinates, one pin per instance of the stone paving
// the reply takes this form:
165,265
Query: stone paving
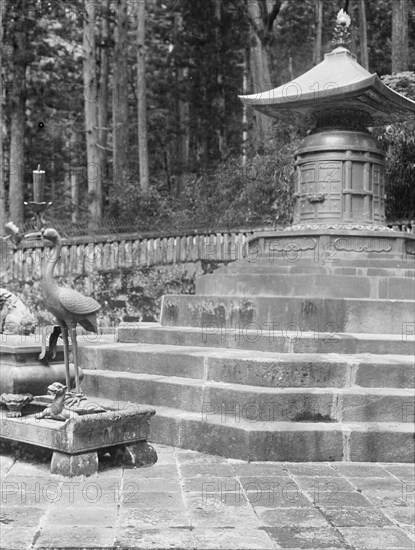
193,501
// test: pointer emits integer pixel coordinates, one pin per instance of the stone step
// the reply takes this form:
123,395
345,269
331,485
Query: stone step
283,441
268,339
328,257
307,284
313,268
303,313
247,367
254,403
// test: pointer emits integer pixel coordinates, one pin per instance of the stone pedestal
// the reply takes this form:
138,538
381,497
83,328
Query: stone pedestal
21,371
122,430
76,443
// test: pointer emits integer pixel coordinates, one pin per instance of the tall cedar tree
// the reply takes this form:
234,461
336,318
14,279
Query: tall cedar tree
91,115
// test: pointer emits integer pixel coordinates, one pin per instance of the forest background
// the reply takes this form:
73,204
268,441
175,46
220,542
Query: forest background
131,106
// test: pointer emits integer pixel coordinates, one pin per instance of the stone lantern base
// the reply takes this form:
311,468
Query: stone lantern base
351,281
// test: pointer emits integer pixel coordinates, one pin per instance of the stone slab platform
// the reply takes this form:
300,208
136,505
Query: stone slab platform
289,313
265,338
21,370
77,441
250,367
195,501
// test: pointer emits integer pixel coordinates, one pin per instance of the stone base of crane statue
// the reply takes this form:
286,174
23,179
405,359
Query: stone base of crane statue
79,435
78,430
38,410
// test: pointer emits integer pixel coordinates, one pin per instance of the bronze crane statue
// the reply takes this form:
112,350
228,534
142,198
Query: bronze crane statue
69,307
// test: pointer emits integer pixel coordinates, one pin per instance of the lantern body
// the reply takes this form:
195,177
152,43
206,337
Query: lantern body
339,179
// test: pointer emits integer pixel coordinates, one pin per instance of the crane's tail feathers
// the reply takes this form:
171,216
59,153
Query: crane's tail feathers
89,323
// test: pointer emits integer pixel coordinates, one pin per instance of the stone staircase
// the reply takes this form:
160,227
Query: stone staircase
277,361
310,399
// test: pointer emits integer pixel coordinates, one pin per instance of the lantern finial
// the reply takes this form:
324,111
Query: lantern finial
341,35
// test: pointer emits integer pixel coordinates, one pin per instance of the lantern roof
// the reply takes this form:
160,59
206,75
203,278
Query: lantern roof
337,85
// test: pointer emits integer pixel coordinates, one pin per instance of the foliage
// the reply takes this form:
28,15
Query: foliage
399,142
130,292
186,38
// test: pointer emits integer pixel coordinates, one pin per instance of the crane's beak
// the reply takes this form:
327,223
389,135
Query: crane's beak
36,236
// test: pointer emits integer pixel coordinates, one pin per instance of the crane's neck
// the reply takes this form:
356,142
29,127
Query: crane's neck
50,260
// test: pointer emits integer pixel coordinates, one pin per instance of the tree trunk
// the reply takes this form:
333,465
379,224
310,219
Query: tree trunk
142,97
74,179
91,118
103,93
182,109
245,137
220,79
120,98
364,54
262,82
319,31
3,214
400,54
259,69
17,130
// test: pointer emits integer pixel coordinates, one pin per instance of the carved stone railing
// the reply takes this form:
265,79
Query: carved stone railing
83,255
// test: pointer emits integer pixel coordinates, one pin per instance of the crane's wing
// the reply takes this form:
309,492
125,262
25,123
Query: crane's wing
75,302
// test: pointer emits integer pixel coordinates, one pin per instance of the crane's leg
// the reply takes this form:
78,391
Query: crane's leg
65,338
73,401
75,360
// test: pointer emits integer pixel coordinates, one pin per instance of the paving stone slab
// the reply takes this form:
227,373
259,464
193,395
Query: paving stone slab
151,485
232,539
410,529
193,457
80,516
155,471
383,499
289,497
356,517
259,469
211,485
321,484
292,517
378,484
212,512
90,496
151,519
402,471
268,483
159,501
167,459
16,518
358,469
310,538
12,496
309,469
18,539
6,462
343,499
401,514
156,538
26,468
376,538
206,470
59,536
